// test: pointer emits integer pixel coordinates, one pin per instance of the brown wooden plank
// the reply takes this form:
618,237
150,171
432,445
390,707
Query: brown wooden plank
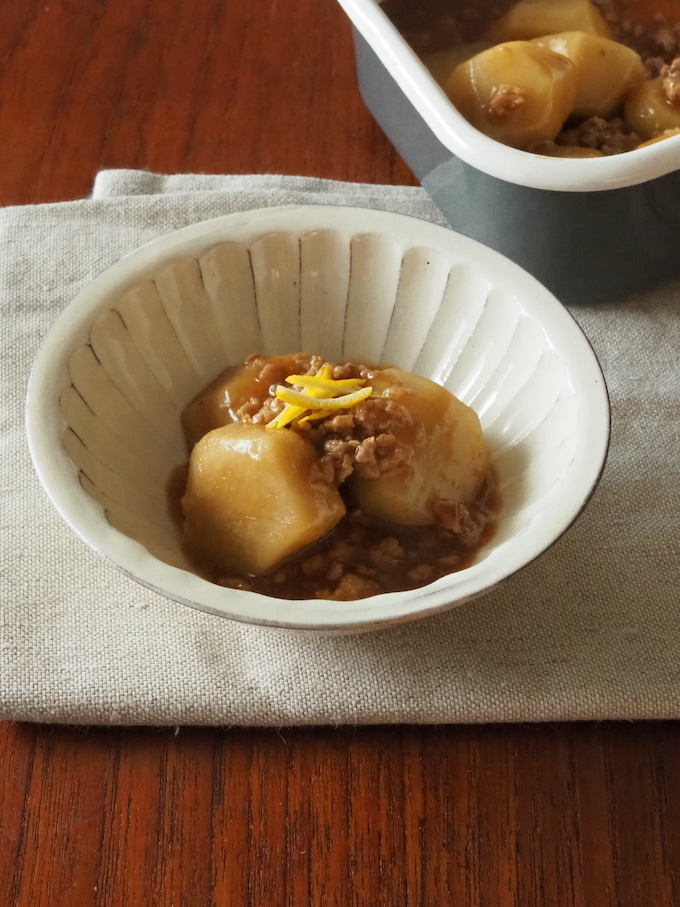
213,87
478,816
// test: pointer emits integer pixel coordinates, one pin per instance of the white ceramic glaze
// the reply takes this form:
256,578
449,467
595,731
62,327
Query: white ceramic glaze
476,149
139,342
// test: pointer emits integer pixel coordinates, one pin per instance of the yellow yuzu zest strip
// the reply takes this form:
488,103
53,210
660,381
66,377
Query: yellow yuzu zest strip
291,413
321,394
287,415
330,384
296,398
314,417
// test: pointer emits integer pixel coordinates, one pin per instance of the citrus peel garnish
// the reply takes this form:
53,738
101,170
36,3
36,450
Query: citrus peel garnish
331,384
317,396
298,398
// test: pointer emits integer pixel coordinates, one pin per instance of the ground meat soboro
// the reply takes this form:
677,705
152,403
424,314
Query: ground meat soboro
656,37
671,81
358,440
608,136
506,98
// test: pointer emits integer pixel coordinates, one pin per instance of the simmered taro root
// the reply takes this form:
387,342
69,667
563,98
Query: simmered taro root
450,459
535,18
313,480
220,402
605,70
654,106
517,93
668,134
441,63
255,497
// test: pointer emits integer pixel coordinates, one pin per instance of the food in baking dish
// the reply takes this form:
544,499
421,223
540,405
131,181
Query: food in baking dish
562,78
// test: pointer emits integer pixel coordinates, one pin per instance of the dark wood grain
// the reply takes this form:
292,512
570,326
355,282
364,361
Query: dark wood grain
551,815
481,817
213,87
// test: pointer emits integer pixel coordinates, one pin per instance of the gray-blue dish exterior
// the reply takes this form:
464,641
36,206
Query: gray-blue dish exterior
584,246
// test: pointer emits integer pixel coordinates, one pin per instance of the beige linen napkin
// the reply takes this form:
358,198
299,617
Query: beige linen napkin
591,630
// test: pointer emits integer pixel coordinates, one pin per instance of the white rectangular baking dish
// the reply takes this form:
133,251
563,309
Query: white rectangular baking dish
588,228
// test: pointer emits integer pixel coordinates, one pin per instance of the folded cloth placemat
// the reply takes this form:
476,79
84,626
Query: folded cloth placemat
590,630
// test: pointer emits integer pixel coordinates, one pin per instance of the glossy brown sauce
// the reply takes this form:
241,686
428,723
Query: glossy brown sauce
360,557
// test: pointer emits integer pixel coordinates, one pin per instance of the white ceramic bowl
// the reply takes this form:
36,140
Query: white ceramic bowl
142,339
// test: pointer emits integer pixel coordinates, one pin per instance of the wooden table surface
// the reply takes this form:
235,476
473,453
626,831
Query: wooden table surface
522,815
